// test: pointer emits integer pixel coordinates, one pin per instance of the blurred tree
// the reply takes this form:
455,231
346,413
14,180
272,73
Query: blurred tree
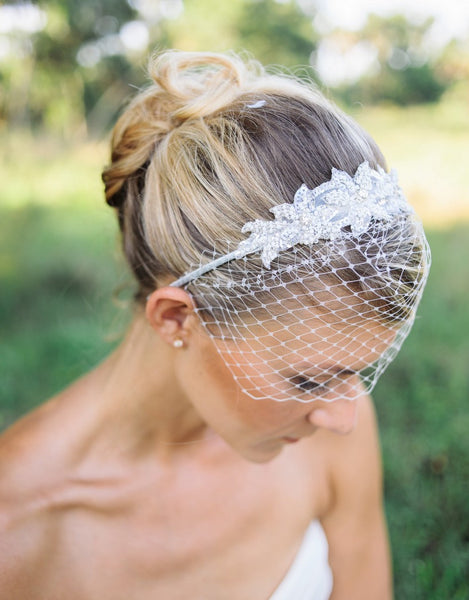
75,69
75,72
404,70
205,25
274,32
73,66
88,31
277,32
452,67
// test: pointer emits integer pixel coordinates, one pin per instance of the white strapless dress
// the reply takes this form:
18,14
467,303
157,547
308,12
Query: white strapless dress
310,576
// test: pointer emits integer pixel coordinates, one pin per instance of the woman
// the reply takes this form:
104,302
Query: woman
172,470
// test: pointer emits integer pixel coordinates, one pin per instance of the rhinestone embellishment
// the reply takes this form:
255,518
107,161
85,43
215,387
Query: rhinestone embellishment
321,213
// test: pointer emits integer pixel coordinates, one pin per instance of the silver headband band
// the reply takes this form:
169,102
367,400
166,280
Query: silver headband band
319,214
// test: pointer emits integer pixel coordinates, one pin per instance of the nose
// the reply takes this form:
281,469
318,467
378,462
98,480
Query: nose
339,416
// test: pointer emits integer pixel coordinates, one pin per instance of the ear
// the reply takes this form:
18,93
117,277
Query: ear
170,312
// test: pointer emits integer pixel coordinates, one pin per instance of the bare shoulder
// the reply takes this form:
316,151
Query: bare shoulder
355,458
351,462
354,522
38,445
23,448
25,526
24,536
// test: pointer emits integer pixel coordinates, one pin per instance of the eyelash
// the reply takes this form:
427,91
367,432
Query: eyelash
306,385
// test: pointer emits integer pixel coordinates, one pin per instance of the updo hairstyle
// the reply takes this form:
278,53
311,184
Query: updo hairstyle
214,142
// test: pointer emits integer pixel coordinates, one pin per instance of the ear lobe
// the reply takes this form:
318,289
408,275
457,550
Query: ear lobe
169,311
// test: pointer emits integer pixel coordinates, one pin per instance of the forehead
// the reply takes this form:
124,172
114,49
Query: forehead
268,360
307,337
297,334
322,335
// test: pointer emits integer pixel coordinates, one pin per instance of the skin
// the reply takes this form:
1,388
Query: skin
153,477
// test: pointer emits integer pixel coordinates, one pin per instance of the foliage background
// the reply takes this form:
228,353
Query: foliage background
62,82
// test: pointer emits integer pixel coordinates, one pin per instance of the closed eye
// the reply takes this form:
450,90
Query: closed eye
306,385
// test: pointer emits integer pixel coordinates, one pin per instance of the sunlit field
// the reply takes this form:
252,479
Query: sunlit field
63,306
426,144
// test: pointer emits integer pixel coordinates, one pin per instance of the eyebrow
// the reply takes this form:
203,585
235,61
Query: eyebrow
329,368
290,318
340,371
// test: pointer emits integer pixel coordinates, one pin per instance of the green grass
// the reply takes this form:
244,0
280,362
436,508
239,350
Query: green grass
58,270
59,267
422,409
426,145
56,312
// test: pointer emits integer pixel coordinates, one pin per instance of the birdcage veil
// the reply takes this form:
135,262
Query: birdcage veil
327,289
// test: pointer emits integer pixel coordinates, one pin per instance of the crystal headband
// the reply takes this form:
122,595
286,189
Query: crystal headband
319,214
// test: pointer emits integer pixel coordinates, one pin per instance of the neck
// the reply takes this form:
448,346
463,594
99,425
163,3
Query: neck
135,399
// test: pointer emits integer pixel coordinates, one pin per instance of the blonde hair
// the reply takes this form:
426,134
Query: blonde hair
216,141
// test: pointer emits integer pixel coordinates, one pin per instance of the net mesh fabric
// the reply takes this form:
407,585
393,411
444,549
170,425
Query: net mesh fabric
295,320
298,330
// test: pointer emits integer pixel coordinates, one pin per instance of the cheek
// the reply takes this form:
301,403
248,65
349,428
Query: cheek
221,393
211,388
253,374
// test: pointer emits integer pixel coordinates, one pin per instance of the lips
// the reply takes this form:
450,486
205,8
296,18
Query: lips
290,440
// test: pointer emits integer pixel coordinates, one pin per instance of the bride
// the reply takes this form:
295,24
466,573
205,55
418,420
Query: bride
228,448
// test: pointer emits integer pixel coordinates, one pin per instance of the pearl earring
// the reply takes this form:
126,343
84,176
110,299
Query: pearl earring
178,343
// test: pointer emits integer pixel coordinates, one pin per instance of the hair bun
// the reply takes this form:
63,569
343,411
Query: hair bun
198,84
187,85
